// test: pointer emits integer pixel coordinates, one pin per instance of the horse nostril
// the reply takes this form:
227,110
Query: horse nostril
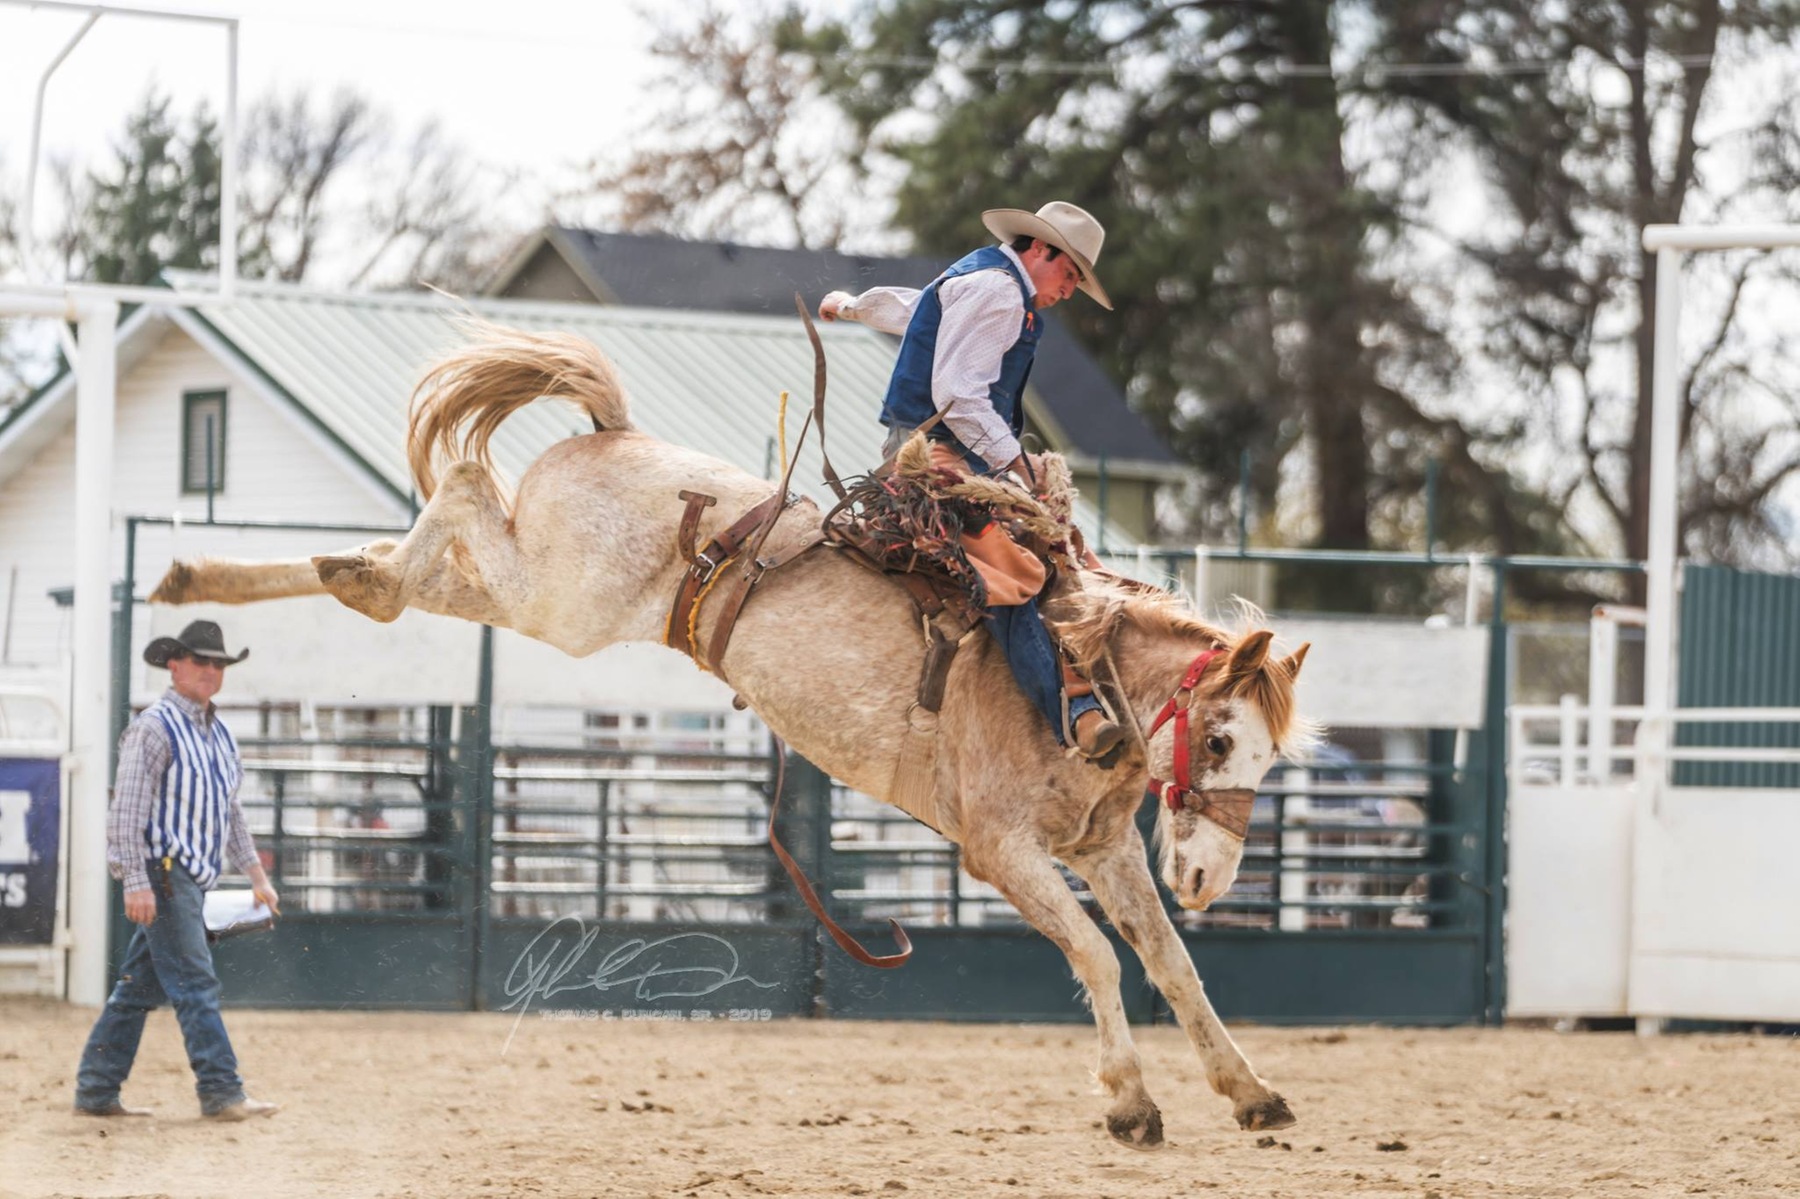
1195,877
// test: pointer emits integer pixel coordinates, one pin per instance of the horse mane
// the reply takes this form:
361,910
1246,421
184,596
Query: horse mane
1087,622
464,397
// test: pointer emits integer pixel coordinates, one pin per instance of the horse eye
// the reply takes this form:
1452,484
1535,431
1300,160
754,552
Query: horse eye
1216,746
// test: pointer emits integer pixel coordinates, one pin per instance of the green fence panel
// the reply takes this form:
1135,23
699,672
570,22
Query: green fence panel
347,960
974,974
1740,648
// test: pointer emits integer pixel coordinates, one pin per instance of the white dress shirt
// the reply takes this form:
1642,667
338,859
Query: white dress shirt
982,315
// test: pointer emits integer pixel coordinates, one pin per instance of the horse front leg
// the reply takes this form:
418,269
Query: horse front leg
1026,876
1121,881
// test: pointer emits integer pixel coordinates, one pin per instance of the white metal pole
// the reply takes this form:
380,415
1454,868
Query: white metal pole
27,217
1296,844
90,685
1665,435
1603,669
228,172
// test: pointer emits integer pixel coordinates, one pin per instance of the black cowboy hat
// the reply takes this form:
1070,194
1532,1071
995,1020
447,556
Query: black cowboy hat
202,639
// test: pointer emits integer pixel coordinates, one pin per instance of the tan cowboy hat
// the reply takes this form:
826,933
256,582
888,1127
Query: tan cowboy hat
1072,230
202,639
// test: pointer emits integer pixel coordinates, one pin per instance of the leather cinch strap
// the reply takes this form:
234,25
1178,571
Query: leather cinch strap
705,566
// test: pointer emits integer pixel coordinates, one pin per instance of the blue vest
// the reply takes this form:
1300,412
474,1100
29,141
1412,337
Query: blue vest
909,403
189,823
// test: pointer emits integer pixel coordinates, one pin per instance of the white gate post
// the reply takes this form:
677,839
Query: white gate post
90,685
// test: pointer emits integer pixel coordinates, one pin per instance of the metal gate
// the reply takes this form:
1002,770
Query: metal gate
635,882
1740,648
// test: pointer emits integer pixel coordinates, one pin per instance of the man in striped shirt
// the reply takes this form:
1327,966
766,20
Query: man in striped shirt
968,343
175,818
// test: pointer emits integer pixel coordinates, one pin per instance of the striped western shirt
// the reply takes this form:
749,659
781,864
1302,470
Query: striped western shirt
176,795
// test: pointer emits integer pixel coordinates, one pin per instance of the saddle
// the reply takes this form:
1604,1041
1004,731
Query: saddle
899,521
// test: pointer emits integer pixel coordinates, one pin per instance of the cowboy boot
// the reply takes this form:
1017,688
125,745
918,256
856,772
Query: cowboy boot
1095,735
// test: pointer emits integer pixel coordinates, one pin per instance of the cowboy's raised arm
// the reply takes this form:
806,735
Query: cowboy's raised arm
884,309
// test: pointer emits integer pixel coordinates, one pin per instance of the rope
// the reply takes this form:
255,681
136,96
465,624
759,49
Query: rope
693,630
781,431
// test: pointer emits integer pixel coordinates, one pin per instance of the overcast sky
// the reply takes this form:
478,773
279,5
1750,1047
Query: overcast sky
530,84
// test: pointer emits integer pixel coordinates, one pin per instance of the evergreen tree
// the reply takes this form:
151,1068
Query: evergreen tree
1266,186
156,205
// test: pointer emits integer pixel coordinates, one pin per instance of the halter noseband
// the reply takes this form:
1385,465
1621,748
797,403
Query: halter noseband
1229,809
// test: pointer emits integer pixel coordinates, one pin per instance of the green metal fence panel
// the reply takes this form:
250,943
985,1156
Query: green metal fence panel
1739,648
347,960
976,974
635,881
626,970
1428,977
367,838
1364,895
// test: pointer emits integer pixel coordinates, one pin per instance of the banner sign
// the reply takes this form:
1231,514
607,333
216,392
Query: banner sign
30,824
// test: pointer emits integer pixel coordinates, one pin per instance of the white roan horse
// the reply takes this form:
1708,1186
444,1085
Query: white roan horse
828,653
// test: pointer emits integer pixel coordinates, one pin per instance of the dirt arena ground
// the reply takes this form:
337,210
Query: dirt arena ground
427,1106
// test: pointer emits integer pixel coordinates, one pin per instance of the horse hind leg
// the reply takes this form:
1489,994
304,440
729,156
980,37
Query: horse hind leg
465,508
445,590
1031,882
229,581
1121,881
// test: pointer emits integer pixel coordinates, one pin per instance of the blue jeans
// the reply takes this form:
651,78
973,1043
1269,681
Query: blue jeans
168,962
1025,642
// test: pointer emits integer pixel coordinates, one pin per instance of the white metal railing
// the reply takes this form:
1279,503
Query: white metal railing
1581,747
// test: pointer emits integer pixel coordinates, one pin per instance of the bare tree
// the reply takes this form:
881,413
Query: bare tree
291,157
743,146
432,226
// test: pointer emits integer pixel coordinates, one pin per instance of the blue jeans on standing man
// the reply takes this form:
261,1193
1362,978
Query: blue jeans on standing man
167,962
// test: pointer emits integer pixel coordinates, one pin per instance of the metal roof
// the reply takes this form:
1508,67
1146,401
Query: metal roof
707,380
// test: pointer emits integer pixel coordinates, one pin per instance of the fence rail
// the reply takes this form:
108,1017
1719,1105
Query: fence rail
1574,743
679,831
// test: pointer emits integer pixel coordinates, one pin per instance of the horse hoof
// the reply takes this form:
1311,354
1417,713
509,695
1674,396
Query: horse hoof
174,586
1140,1128
357,583
1266,1115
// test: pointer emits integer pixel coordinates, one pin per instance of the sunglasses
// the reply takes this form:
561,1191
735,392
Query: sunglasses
200,661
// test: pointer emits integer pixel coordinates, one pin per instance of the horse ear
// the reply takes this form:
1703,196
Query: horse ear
1251,653
1290,665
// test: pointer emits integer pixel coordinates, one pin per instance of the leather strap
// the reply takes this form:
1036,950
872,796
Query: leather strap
690,521
940,652
812,334
707,563
846,942
742,584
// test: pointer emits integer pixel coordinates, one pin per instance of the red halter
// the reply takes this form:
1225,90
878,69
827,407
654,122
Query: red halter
1229,809
1171,793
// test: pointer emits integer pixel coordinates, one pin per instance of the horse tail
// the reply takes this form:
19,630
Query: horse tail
465,396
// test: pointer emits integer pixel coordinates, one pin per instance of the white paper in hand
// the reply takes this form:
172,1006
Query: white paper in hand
231,913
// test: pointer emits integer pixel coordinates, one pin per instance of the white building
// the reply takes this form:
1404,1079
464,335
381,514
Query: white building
306,395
